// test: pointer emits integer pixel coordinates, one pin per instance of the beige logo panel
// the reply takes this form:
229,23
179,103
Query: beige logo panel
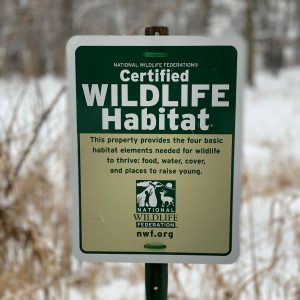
111,165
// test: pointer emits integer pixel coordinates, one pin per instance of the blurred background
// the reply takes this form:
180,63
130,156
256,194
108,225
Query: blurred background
35,252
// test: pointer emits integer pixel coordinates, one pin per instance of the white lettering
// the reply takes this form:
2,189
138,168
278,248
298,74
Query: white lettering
216,95
90,95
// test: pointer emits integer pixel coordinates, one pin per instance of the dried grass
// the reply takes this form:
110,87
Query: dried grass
30,262
35,254
283,173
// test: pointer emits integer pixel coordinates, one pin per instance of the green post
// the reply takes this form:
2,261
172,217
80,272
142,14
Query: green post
156,280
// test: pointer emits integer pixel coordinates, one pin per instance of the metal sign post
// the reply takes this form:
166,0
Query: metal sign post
156,275
156,279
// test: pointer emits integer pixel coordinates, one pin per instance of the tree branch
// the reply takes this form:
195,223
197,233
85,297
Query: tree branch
32,141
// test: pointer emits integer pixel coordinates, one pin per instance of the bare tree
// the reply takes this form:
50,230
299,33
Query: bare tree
64,32
249,36
297,22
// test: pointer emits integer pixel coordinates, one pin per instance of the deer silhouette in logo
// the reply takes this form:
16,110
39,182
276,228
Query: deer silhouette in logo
155,194
166,199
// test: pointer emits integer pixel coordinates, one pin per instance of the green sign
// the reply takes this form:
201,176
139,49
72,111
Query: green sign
155,148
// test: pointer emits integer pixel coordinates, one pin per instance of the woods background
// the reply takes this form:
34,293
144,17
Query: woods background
33,33
35,254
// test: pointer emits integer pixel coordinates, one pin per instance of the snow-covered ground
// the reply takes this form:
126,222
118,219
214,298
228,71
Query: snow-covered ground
271,118
268,266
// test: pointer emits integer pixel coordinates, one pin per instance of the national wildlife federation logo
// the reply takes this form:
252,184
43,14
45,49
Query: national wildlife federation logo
153,196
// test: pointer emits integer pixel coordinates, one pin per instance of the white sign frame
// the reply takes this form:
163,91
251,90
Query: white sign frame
78,41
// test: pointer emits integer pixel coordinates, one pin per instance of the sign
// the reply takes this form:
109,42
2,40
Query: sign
155,148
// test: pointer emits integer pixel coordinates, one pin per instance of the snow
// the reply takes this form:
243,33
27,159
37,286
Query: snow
271,121
271,108
28,99
268,220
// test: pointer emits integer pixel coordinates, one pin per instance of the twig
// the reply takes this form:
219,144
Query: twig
32,141
15,111
273,262
252,239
